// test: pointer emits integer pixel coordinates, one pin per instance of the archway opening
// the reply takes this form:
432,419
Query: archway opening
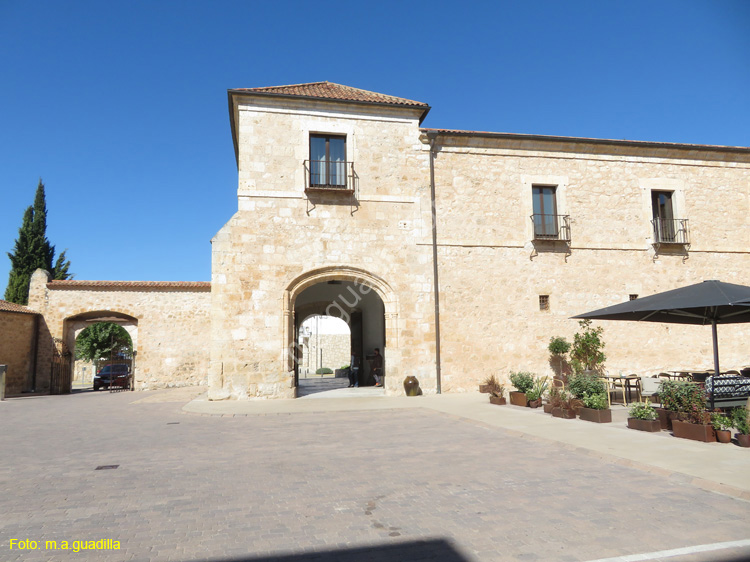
97,339
351,315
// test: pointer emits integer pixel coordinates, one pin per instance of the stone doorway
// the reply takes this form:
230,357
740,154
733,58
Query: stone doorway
358,301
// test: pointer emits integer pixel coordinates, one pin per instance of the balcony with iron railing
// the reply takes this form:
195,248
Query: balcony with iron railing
551,227
329,175
671,231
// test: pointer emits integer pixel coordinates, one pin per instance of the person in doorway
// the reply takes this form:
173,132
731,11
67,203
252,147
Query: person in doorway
377,367
354,370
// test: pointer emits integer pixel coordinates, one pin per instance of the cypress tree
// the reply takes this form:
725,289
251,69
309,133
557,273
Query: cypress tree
33,250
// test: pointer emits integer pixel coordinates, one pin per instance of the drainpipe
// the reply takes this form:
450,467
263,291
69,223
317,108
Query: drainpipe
436,287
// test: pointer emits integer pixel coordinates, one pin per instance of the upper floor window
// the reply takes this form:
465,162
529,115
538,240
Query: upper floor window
667,228
328,165
548,225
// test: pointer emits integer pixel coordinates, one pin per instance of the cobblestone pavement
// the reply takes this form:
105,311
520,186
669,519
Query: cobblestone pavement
392,485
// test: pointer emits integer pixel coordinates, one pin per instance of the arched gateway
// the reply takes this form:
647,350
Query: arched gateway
364,301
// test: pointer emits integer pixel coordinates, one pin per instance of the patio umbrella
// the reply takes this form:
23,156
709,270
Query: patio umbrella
709,302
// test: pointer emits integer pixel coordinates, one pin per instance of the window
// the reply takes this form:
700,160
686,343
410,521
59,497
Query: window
327,161
544,303
633,296
545,211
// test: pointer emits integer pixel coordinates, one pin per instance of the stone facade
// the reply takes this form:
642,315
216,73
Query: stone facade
483,255
167,321
17,346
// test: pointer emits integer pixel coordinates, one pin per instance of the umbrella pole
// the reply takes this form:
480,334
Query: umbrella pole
717,372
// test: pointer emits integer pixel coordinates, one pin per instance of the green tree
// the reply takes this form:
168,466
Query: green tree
101,340
32,251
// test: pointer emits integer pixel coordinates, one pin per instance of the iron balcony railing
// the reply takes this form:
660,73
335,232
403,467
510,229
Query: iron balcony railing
551,227
329,174
671,231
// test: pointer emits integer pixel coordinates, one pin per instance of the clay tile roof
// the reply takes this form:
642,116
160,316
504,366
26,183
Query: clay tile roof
131,285
13,307
332,91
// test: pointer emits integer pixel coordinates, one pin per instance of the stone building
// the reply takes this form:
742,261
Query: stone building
458,253
18,345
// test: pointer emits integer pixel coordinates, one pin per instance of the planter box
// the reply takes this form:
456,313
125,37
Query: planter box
694,431
535,403
497,400
484,388
743,440
664,420
576,404
518,398
563,413
644,425
596,416
547,408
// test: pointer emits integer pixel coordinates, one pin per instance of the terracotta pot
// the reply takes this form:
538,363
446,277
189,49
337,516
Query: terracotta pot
547,408
484,388
535,403
596,416
497,400
743,440
723,436
694,431
644,425
518,398
411,386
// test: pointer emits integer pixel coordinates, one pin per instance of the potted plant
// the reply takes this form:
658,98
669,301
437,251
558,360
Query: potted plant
496,391
534,396
565,409
554,399
485,385
586,353
741,420
643,417
581,384
722,426
523,383
558,347
595,408
692,420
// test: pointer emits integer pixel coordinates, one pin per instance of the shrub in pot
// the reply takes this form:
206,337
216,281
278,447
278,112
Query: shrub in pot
581,384
534,396
485,385
741,420
722,426
558,348
565,409
554,399
692,421
595,408
523,382
586,353
643,417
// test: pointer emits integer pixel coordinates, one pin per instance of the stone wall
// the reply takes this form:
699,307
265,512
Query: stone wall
335,350
168,322
492,272
17,346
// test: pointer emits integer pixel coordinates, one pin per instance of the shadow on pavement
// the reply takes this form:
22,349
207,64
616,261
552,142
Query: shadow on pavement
435,549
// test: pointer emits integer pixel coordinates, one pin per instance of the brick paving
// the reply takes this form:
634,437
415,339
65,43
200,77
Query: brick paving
409,484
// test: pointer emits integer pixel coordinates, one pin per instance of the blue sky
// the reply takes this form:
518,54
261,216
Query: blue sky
121,108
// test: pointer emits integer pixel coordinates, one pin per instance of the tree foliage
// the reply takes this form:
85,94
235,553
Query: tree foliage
587,354
32,250
101,340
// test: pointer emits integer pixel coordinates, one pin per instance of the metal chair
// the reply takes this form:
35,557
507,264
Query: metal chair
650,387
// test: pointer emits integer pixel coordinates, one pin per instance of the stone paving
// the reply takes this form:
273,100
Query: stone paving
407,484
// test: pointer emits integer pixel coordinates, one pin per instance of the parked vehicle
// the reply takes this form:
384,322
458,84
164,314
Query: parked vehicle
111,376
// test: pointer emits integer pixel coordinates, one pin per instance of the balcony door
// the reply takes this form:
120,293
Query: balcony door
545,211
664,224
327,161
